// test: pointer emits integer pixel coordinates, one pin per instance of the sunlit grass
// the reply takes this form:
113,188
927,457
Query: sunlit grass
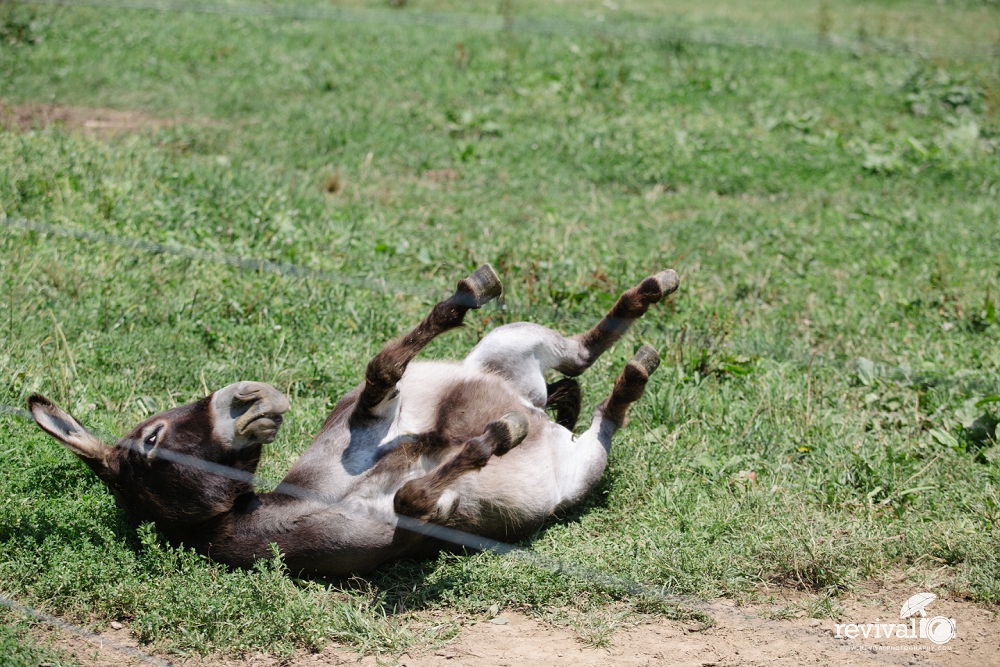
823,413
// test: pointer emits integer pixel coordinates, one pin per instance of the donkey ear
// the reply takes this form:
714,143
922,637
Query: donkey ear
60,425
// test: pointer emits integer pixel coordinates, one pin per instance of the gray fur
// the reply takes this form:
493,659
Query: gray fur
466,445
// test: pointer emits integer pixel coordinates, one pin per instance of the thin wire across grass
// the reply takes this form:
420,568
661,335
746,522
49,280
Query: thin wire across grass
680,605
538,25
90,637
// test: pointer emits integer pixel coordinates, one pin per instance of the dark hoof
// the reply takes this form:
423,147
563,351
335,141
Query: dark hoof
509,431
479,288
655,288
646,359
631,384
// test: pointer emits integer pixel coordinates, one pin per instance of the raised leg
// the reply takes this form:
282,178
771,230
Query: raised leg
420,498
522,352
583,463
631,384
631,305
388,366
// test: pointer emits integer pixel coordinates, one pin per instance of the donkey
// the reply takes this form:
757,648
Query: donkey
467,445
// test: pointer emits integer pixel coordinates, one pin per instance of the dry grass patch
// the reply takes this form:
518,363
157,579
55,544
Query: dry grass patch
97,121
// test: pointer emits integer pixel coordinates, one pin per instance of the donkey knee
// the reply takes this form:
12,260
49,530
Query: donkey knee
422,497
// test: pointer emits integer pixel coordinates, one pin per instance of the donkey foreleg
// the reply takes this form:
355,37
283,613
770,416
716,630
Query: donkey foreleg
388,366
420,498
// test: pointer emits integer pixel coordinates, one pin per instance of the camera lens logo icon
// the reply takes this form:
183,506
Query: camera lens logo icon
938,629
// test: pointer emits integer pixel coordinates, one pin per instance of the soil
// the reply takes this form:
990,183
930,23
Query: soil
96,121
751,635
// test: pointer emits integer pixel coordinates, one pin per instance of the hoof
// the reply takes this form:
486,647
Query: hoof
655,288
480,288
631,384
642,365
509,431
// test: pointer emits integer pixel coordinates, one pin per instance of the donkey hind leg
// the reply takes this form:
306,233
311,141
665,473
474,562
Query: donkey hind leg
581,463
522,352
631,305
388,366
425,497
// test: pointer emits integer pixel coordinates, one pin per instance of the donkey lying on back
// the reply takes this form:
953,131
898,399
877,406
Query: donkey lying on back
465,445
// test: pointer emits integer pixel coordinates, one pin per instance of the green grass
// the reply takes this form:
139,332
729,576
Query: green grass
19,649
834,219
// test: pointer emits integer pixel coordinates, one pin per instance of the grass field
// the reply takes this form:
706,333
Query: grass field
826,411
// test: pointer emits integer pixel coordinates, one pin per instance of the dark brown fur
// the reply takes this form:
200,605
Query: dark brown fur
629,307
338,534
388,366
564,397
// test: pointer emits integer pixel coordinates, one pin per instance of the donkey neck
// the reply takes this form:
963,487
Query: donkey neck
311,536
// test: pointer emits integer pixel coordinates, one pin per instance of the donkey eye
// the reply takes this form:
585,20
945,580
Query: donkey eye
150,440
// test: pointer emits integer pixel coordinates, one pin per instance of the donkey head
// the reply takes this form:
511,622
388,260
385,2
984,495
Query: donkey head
162,470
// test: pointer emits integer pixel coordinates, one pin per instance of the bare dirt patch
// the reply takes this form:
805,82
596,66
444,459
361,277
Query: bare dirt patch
97,121
739,636
440,175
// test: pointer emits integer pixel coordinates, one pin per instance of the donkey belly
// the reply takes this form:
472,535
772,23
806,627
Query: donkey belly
507,498
455,401
513,493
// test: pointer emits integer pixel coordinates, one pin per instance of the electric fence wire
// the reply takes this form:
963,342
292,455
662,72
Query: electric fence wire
378,285
244,263
443,533
500,306
596,26
91,637
17,412
552,566
456,537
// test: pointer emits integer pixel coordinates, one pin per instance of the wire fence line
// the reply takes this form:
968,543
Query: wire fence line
549,565
443,533
244,263
89,636
629,29
17,412
499,306
251,264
